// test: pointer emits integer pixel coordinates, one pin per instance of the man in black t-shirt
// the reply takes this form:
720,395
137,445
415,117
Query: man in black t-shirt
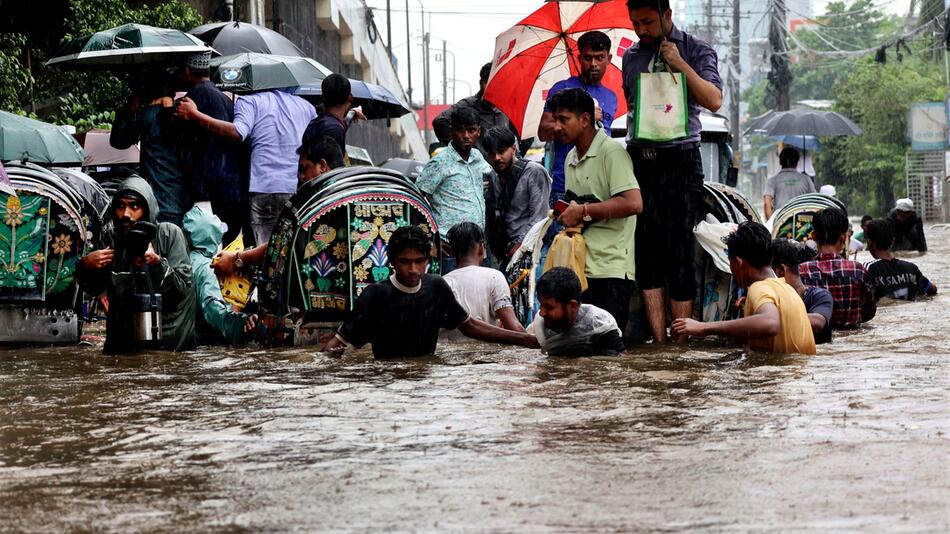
337,102
891,277
402,316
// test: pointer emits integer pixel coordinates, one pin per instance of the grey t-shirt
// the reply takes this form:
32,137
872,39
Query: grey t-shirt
528,202
786,185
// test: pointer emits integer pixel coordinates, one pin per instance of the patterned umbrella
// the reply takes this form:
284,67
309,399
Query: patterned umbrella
128,45
541,50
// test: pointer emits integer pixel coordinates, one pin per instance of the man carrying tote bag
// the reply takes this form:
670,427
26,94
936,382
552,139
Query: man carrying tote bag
668,77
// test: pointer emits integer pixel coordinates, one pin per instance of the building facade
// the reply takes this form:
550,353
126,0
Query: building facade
341,35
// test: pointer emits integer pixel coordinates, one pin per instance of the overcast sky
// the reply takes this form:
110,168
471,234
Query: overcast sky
469,28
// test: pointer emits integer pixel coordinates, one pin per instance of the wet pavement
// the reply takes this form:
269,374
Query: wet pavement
478,438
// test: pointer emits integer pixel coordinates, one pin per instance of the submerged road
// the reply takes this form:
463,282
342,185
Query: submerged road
477,438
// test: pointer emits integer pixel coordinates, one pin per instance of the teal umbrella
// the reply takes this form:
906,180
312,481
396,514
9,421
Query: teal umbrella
128,45
23,138
250,71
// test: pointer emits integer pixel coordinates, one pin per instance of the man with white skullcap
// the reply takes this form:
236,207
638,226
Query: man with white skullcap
908,227
211,162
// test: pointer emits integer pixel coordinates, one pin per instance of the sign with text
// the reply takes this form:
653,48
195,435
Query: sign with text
927,126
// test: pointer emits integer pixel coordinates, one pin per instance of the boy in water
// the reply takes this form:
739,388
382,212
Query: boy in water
774,319
401,316
787,255
892,277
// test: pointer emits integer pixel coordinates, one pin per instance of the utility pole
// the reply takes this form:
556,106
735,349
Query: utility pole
710,36
734,74
779,75
389,32
408,58
425,81
445,72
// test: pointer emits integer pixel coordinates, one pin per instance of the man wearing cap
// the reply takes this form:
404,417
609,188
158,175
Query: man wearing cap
210,162
908,227
273,122
488,115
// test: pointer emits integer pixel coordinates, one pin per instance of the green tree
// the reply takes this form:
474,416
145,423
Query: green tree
86,99
870,167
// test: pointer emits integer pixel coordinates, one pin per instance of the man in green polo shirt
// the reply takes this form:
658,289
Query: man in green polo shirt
599,168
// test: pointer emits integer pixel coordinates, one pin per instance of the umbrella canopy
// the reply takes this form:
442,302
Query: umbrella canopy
128,45
541,50
803,122
230,38
251,71
377,101
23,138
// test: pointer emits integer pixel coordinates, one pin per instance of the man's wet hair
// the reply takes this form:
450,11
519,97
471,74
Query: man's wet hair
576,101
595,40
496,140
336,90
465,237
560,284
664,5
751,242
788,157
484,72
322,147
463,117
786,252
881,233
830,224
408,238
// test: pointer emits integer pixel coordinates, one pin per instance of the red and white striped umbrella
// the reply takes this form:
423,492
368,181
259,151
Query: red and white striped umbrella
541,50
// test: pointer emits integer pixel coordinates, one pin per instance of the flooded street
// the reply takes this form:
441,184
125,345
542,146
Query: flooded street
857,437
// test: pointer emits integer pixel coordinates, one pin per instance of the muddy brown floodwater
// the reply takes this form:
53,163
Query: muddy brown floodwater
482,438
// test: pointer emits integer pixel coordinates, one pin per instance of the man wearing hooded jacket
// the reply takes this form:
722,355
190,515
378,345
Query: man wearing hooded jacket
113,269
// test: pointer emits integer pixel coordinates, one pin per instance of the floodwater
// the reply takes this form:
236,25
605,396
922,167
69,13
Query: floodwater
481,438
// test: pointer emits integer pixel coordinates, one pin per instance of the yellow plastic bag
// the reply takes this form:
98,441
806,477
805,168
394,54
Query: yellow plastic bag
236,288
569,250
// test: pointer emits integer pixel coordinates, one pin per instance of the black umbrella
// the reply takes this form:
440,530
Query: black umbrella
803,122
377,101
230,38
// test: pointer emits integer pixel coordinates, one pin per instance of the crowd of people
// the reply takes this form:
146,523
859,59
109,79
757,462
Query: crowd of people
635,209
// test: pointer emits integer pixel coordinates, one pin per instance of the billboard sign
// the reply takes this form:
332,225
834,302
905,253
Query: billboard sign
927,126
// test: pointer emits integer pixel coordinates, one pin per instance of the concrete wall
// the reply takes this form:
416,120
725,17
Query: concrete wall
337,34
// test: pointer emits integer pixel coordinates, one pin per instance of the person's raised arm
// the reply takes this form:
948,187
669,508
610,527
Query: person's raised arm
704,92
225,262
546,127
765,322
187,110
482,331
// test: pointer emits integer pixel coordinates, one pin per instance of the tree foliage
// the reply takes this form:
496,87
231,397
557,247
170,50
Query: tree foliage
85,99
868,170
871,167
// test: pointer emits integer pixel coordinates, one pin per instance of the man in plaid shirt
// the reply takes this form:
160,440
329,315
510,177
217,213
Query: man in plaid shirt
848,281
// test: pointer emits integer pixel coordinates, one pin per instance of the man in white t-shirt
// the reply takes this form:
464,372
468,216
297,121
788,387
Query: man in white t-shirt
482,291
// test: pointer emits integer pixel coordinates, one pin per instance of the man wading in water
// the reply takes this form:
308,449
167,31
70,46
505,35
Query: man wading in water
401,316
